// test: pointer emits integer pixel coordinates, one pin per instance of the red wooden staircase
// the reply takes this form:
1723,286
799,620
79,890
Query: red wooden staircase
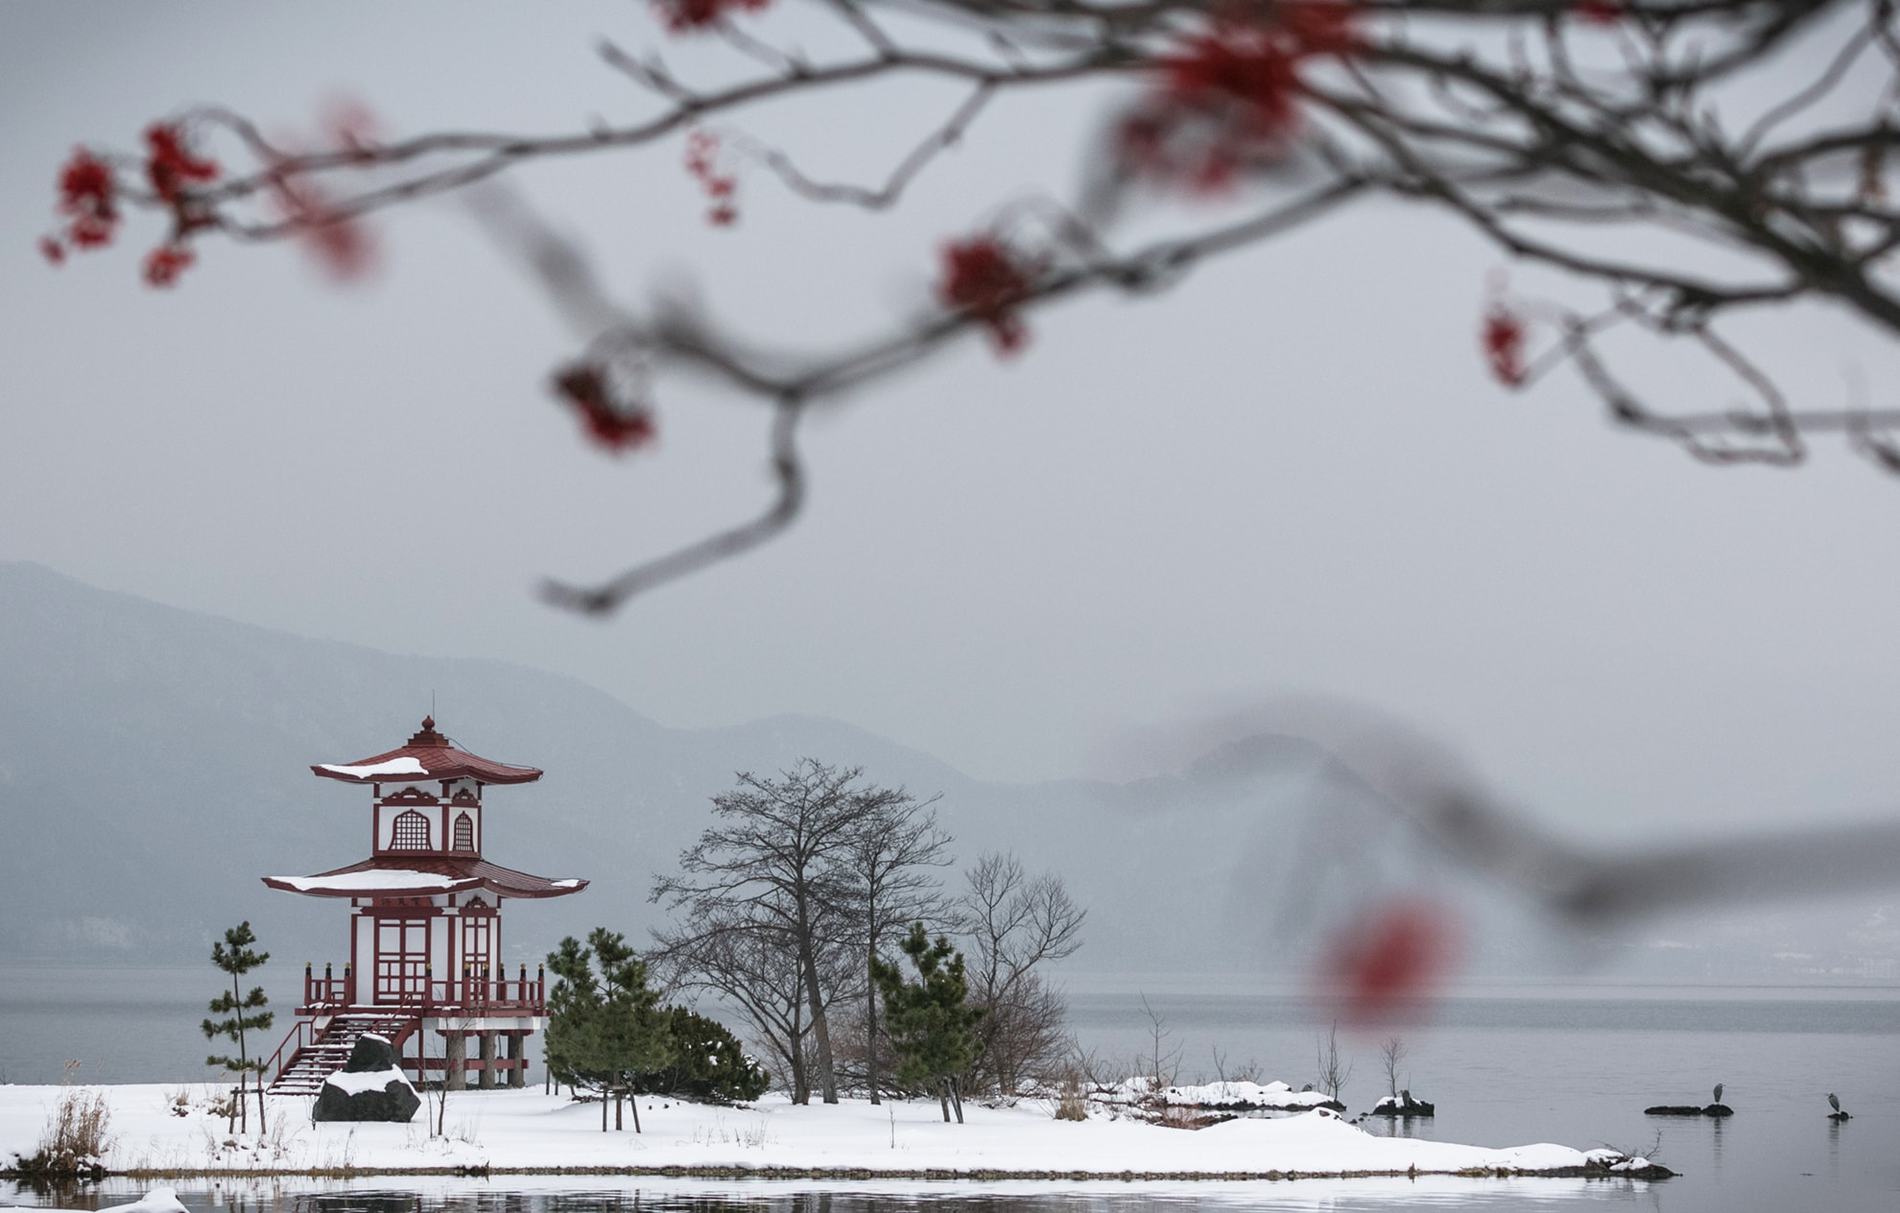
319,1045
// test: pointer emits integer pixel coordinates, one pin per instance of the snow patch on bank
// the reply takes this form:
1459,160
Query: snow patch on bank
1270,1096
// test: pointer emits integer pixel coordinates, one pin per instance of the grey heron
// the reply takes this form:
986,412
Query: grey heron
1718,1092
1833,1102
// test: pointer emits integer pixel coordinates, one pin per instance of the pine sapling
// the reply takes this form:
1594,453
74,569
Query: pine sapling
242,1013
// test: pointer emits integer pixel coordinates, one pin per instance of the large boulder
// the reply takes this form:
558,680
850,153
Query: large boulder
368,1087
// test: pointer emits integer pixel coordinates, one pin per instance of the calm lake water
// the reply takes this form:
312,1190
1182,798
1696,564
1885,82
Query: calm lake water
1505,1065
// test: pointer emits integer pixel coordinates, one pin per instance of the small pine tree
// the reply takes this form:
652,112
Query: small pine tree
931,1022
605,1026
708,1063
242,1013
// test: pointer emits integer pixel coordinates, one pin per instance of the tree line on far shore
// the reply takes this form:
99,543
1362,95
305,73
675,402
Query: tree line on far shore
813,906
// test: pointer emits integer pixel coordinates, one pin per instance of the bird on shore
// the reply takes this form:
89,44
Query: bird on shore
1718,1092
1833,1102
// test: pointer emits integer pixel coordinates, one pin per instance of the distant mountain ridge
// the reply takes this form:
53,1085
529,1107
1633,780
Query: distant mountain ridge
153,764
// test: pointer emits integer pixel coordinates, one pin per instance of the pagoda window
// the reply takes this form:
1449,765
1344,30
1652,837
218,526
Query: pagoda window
409,832
464,833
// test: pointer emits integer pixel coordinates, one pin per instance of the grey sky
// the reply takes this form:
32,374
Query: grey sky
1290,476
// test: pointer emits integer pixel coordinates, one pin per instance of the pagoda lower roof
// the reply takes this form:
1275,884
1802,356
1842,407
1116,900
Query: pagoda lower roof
423,876
426,755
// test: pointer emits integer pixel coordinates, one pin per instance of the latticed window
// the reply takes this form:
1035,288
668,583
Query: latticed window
410,832
464,833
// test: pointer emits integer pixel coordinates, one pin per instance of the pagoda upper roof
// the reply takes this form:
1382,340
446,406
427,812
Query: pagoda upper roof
423,876
426,755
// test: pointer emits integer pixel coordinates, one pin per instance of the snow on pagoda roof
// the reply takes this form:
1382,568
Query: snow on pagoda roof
395,766
426,755
421,875
388,880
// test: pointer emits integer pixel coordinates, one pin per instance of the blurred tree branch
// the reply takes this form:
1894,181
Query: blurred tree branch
1691,161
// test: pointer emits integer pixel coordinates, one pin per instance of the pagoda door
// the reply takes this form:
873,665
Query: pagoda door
478,952
402,959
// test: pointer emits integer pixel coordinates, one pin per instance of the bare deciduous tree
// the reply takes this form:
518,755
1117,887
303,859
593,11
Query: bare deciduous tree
1391,1055
1016,925
768,877
1334,1070
1162,1063
752,970
888,879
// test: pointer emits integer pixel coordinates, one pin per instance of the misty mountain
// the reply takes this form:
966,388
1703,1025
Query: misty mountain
154,764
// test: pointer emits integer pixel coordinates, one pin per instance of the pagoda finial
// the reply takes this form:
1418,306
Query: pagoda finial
428,735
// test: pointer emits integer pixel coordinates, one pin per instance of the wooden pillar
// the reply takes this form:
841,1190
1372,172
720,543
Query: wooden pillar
488,1060
455,1065
517,1074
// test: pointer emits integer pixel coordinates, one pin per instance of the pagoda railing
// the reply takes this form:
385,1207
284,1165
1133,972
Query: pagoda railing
327,990
474,993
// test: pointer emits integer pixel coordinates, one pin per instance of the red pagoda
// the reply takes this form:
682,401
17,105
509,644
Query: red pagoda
425,928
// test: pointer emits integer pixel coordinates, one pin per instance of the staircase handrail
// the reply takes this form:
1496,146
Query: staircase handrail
277,1059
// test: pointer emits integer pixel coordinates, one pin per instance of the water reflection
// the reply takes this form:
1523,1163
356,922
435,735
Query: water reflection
627,1194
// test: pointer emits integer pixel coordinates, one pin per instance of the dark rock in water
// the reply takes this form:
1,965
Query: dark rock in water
1403,1105
368,1087
1673,1109
1840,1116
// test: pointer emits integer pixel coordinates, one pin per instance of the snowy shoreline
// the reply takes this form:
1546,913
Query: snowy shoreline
515,1132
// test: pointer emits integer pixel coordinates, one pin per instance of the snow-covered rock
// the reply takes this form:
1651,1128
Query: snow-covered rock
1402,1104
368,1087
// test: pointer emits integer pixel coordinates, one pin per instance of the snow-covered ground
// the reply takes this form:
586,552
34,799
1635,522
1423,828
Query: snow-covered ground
525,1130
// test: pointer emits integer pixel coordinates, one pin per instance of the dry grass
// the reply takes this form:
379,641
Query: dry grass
1070,1104
75,1139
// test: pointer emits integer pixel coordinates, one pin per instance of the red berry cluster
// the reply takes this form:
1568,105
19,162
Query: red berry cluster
683,15
89,195
1230,96
982,277
1502,340
89,199
612,426
702,162
171,167
1391,955
165,263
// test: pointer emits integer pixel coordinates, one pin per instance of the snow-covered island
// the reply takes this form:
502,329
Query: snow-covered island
526,1131
1216,1096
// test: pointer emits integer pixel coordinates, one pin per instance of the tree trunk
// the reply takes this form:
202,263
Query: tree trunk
956,1099
261,1126
821,1032
870,1018
943,1098
242,1093
633,1102
619,1123
603,1109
